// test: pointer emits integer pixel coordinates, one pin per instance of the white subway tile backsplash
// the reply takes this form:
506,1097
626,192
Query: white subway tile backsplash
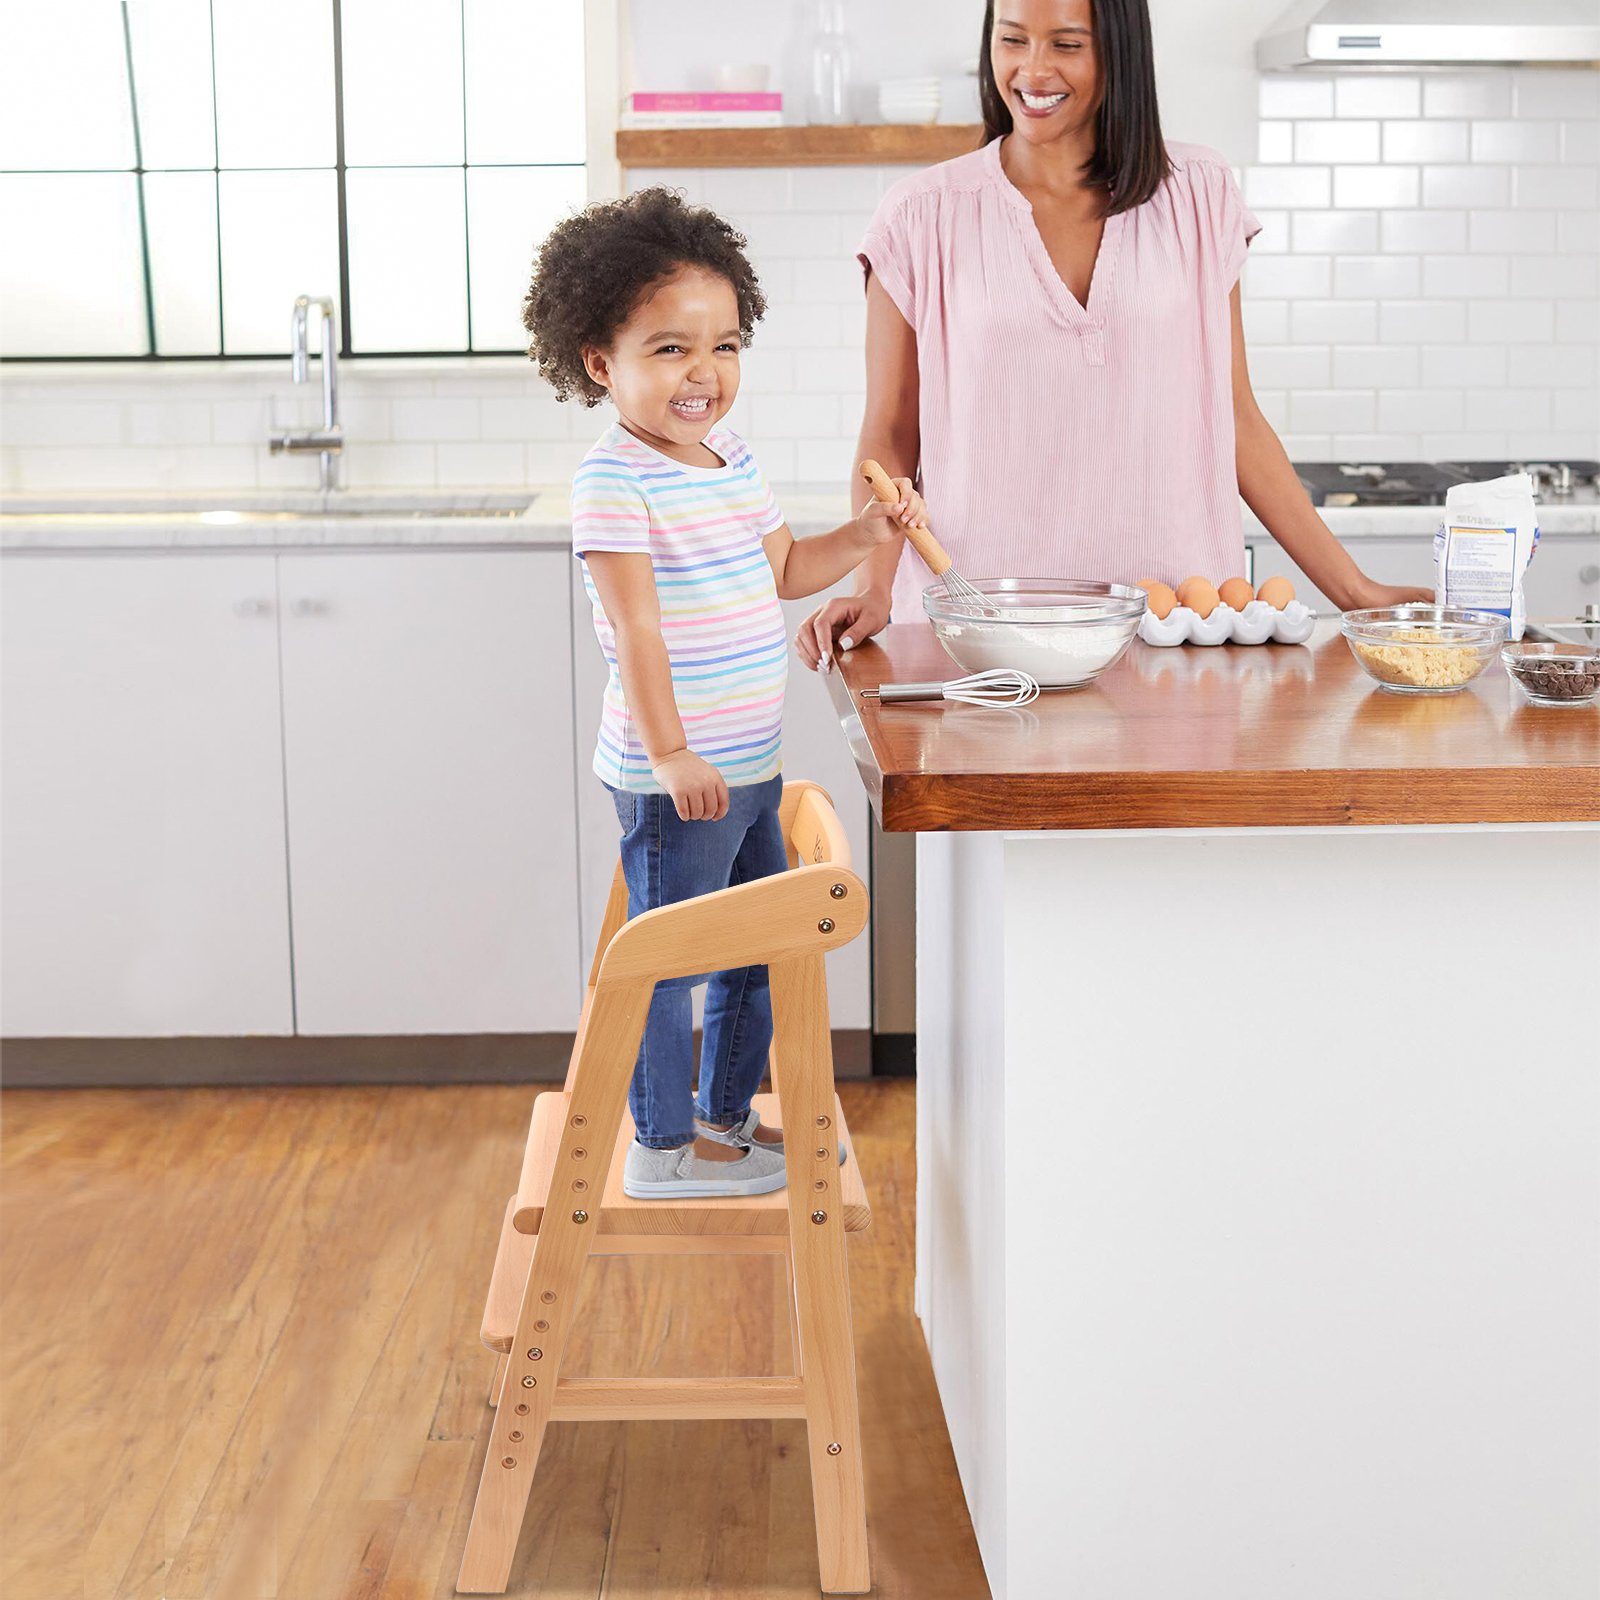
1513,232
1274,142
1274,406
1463,366
1578,321
1575,277
491,462
1540,92
1416,410
1578,232
174,422
799,416
1516,141
790,236
1375,366
1286,95
1289,366
1418,232
1463,186
388,466
1580,142
841,372
824,460
1425,141
1374,446
554,461
28,424
1510,321
835,189
1265,321
1377,277
1555,187
1463,277
734,191
538,415
1506,408
1335,141
1551,366
1333,321
1333,232
1422,321
801,327
1467,94
1288,277
1308,446
1377,95
434,419
1273,238
1376,186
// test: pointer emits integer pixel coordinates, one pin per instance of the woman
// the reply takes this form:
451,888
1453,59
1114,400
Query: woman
1054,341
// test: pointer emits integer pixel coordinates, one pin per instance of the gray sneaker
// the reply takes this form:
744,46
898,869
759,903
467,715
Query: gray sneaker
682,1175
743,1134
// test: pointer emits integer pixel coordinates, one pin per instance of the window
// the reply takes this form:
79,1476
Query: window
175,172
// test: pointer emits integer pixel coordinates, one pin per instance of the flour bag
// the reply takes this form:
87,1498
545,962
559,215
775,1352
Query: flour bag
1484,545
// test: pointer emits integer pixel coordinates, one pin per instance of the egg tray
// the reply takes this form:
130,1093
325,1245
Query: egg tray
1258,623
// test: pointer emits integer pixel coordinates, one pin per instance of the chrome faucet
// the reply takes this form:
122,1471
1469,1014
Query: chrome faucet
328,440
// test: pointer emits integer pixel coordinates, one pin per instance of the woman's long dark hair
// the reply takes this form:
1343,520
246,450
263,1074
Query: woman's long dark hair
1129,158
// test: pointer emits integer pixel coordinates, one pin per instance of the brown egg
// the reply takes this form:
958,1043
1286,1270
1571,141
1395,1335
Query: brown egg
1161,599
1237,593
1277,592
1199,594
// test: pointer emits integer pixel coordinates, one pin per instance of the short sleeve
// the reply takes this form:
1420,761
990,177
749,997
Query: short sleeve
1236,223
609,511
770,518
888,250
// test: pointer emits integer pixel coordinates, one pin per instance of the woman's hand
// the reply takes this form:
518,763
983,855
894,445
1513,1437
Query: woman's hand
881,520
850,620
698,790
1368,596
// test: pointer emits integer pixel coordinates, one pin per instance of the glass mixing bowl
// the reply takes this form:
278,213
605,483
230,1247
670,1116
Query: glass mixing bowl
1423,649
1554,674
1064,632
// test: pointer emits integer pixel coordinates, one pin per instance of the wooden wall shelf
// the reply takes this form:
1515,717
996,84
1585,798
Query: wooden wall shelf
866,144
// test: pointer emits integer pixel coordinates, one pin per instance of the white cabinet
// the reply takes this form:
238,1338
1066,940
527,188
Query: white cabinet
427,703
143,843
813,748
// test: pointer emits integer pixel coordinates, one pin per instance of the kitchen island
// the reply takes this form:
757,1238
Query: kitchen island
1258,1216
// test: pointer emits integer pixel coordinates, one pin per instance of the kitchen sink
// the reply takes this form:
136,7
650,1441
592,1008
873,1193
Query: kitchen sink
222,509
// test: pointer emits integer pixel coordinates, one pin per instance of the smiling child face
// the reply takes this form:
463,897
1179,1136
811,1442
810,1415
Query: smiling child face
1046,66
673,368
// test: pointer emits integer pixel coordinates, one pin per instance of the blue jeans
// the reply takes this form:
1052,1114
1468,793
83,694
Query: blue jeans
666,860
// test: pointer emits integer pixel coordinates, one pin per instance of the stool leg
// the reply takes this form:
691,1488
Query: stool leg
571,1220
496,1380
804,1065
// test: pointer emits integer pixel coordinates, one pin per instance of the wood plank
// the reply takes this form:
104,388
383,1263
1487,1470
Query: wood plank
676,1399
868,144
284,1317
1262,736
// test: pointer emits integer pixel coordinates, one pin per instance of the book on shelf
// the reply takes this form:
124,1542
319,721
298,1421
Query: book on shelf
713,110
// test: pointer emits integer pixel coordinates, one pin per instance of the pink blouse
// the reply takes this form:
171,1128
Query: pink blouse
1061,440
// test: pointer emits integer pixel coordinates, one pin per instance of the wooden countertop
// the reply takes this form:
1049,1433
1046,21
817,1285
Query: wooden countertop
1233,736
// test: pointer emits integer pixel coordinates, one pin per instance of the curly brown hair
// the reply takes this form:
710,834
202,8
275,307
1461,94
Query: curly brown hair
593,268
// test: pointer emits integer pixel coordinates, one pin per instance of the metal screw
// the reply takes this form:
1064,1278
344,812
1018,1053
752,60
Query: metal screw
838,891
508,1461
528,1383
580,1216
826,925
536,1354
835,1448
822,1122
819,1216
822,1155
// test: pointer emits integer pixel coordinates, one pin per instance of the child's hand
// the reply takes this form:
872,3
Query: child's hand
698,790
881,521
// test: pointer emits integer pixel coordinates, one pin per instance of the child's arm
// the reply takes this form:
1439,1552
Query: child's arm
626,584
805,566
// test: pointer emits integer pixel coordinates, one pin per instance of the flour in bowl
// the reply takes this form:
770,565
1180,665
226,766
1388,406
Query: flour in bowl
1054,655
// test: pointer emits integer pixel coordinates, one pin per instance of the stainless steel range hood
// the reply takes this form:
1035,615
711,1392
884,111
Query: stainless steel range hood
1322,33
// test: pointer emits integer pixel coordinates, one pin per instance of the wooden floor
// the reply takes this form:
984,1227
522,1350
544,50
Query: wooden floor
241,1359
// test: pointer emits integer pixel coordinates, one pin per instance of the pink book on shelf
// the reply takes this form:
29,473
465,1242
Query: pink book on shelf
656,104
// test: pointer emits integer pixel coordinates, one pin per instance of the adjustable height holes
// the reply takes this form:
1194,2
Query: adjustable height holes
530,1383
580,1184
822,1155
580,1121
821,1186
541,1326
509,1461
548,1297
516,1436
522,1410
578,1155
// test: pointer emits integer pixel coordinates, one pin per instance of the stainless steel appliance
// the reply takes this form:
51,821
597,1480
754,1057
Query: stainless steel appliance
1423,483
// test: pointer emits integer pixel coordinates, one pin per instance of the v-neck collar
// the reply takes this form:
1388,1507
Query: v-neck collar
1083,316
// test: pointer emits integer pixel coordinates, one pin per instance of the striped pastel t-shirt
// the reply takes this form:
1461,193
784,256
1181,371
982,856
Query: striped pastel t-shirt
702,528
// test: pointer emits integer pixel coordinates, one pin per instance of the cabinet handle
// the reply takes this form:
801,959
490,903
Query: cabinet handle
255,607
1589,574
307,607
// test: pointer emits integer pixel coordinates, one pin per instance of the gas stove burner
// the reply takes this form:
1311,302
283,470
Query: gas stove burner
1422,483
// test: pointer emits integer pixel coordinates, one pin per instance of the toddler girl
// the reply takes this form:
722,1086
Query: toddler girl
647,302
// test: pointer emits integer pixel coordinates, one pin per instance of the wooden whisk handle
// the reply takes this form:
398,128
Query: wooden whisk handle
922,539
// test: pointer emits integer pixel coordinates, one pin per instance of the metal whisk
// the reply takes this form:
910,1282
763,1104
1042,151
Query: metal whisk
929,548
999,686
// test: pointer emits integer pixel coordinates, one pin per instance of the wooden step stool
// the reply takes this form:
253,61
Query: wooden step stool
569,1201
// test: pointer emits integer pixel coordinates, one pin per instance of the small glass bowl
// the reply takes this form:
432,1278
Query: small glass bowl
1554,674
1064,632
1423,649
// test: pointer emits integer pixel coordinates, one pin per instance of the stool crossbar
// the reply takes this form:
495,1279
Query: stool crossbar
569,1202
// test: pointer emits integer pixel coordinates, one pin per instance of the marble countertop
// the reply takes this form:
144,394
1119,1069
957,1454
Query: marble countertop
536,517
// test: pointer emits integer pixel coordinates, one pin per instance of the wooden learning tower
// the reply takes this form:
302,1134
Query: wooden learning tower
569,1200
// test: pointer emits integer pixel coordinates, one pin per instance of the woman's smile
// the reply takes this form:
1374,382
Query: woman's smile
1040,104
